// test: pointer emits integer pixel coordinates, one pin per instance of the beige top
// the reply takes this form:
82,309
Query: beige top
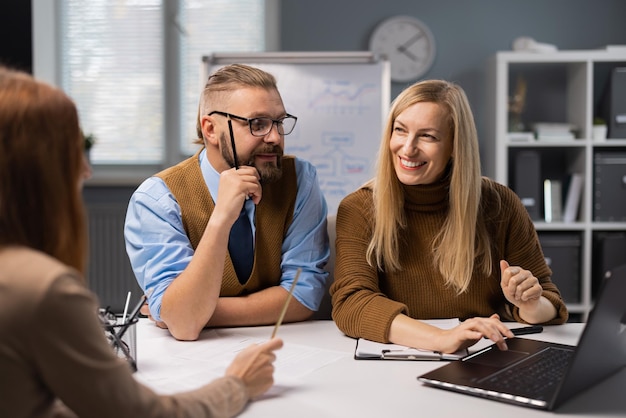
53,349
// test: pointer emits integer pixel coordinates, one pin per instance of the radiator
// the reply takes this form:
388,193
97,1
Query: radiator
109,274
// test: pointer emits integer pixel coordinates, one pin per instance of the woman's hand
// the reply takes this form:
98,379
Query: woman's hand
523,290
470,331
254,366
519,286
419,334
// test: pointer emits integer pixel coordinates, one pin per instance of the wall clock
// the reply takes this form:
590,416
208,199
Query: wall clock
407,43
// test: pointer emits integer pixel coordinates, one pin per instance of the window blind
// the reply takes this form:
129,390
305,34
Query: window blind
113,55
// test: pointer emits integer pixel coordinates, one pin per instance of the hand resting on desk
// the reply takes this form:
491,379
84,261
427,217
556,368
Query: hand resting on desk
145,311
419,334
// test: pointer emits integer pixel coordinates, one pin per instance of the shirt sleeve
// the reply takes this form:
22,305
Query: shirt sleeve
156,242
159,249
77,364
306,244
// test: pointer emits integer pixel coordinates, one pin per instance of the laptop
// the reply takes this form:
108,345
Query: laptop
568,370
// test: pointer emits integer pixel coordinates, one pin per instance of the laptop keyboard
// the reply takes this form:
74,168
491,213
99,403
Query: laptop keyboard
536,376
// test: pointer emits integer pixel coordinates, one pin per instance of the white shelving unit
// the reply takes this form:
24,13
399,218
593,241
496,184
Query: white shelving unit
563,87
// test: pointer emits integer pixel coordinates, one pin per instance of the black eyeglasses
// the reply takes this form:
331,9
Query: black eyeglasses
263,126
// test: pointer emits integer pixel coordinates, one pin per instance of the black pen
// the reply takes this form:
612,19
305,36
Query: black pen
232,143
125,350
530,329
132,317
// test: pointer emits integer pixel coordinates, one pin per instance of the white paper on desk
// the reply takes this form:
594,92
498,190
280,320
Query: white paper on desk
371,350
195,363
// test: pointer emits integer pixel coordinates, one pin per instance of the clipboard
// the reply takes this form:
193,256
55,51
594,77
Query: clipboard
371,350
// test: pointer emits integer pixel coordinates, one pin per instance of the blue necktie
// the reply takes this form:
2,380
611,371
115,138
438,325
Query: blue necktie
240,246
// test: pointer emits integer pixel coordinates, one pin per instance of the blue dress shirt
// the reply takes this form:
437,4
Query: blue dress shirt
159,249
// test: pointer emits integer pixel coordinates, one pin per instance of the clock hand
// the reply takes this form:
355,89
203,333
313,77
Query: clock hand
406,52
411,41
403,48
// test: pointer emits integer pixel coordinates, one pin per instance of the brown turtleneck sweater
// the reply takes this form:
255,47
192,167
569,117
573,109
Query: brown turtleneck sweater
365,301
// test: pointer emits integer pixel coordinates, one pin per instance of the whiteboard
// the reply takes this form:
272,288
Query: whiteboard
341,100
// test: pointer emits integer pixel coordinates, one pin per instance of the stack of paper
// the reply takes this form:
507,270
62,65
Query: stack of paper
521,136
554,131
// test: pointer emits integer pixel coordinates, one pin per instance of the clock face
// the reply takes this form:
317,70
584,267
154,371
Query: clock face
408,45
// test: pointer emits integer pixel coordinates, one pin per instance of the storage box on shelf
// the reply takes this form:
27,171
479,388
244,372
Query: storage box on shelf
562,253
540,119
609,248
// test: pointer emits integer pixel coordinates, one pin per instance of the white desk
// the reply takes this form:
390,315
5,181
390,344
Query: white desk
344,387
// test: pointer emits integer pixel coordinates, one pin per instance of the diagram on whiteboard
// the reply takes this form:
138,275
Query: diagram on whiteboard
341,97
340,110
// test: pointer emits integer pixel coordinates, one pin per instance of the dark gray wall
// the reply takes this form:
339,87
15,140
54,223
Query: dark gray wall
466,32
15,34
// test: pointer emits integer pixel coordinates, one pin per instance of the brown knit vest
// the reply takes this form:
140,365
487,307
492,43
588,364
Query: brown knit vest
273,216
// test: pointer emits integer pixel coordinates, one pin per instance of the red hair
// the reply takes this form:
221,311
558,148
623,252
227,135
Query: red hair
41,157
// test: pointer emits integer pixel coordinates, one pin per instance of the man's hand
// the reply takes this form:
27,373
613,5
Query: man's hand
237,185
145,311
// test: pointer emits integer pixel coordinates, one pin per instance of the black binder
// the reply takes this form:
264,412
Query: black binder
609,188
527,182
614,104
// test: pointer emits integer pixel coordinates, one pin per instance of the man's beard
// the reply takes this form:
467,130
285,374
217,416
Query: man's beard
269,171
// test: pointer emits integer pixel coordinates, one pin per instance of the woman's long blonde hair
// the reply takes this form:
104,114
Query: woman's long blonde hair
41,162
463,240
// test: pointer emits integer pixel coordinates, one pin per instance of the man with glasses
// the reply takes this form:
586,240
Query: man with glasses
217,239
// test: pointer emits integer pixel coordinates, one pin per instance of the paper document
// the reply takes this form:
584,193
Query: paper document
189,365
370,350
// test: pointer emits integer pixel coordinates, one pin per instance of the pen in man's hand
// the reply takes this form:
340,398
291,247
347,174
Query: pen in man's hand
282,314
232,143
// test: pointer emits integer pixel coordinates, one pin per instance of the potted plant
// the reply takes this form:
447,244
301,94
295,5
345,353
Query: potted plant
90,140
599,129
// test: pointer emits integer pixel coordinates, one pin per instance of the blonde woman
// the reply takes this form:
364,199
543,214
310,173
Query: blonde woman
430,238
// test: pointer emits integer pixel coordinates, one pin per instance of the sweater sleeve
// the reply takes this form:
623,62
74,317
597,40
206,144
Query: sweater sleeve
77,364
522,248
360,309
